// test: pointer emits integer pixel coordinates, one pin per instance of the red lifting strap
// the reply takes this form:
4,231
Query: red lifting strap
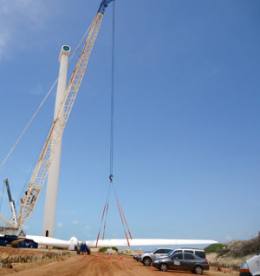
103,223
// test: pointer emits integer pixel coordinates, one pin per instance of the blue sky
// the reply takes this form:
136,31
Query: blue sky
187,150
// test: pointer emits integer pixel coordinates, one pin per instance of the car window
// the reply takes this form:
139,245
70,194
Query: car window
171,254
177,251
188,251
159,251
177,256
166,251
200,254
189,256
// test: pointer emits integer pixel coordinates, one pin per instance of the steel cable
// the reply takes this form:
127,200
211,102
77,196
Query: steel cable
27,126
103,224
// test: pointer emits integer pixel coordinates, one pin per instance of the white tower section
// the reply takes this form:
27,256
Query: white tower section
54,169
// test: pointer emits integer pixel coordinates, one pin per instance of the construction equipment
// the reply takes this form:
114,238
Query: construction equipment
10,227
40,172
11,202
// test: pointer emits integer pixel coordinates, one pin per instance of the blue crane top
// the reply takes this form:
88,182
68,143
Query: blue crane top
103,5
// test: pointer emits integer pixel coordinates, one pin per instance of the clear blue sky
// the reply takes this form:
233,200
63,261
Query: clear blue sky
187,132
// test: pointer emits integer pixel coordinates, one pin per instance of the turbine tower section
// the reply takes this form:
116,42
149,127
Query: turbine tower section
55,154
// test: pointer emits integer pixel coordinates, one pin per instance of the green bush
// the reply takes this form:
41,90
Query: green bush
104,249
215,248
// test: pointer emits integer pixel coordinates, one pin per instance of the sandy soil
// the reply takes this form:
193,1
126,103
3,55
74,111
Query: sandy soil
14,259
99,265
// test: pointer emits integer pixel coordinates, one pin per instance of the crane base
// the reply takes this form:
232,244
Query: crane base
11,231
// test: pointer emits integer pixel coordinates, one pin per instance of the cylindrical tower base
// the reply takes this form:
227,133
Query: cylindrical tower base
54,169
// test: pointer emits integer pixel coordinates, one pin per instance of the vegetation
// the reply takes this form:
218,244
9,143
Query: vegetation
215,248
229,256
105,249
242,248
236,248
12,256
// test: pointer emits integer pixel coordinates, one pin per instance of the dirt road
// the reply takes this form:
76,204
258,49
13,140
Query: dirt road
100,265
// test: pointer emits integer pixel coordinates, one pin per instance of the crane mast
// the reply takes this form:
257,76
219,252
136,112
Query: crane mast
40,172
11,202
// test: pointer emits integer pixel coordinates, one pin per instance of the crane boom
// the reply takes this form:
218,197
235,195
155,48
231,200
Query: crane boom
11,203
40,171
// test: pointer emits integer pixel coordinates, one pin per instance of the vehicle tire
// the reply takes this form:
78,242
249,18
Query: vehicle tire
164,267
198,270
147,261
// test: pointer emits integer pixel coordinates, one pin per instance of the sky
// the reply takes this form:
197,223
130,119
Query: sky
187,135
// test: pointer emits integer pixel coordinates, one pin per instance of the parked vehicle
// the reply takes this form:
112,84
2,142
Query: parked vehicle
137,257
251,267
198,252
18,242
7,239
148,257
84,249
3,241
182,261
25,243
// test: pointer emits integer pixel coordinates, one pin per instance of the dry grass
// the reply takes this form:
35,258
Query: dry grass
14,259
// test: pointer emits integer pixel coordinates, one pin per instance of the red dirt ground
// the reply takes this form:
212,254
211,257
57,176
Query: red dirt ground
98,265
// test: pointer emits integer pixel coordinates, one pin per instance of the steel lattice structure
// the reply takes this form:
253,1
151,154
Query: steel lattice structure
40,172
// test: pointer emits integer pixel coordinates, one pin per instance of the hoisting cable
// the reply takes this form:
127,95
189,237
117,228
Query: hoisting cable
112,112
76,51
111,186
27,126
123,216
102,227
105,225
104,215
126,229
112,100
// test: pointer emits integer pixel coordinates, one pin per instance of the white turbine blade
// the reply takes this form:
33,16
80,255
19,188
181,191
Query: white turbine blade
41,240
149,242
47,241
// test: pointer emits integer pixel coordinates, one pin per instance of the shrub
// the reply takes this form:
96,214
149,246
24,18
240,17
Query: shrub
215,248
104,249
236,248
243,248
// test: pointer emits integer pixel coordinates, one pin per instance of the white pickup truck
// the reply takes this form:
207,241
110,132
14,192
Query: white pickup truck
251,267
